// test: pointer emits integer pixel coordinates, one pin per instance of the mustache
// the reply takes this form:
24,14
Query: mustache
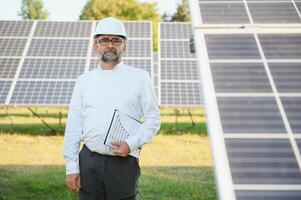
111,50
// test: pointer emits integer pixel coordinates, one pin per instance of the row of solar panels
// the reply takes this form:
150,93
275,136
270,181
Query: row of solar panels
252,95
41,60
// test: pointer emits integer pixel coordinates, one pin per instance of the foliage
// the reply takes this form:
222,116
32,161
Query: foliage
124,10
33,9
181,15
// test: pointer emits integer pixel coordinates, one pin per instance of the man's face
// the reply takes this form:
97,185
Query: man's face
109,48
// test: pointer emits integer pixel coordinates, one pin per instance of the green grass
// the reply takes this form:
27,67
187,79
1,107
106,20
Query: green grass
32,129
175,166
40,129
159,183
33,182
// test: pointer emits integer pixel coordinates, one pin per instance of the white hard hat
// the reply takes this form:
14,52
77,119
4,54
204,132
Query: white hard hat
110,26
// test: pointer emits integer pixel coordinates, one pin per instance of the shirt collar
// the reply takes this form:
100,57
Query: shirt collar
115,69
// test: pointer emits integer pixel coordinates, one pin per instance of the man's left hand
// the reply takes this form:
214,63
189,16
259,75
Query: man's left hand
122,149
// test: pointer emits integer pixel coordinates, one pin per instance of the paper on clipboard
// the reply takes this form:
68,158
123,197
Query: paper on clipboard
122,126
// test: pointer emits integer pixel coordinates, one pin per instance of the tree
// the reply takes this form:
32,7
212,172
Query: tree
33,9
182,13
124,10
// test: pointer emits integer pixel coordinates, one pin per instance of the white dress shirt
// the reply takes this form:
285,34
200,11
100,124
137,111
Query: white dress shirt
96,95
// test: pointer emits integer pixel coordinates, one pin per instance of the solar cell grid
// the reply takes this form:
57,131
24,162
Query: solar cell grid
63,29
138,29
42,92
292,106
238,46
138,48
287,76
58,47
8,67
224,13
12,46
180,93
176,31
52,68
262,161
281,46
15,28
274,12
250,115
175,49
4,89
240,77
179,70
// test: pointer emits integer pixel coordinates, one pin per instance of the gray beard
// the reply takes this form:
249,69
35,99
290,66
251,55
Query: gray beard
110,58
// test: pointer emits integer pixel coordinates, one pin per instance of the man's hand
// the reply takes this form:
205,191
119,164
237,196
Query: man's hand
122,149
73,182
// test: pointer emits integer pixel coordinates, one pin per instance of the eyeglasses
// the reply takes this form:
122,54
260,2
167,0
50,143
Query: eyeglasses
106,41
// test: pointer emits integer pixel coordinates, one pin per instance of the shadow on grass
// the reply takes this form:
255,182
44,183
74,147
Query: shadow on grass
40,129
156,183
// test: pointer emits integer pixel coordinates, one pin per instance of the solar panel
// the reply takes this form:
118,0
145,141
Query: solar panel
287,76
252,95
237,77
4,89
15,28
41,68
293,111
239,46
261,112
274,12
12,46
63,29
41,60
247,12
224,13
179,83
42,92
252,100
180,93
138,29
8,67
284,46
58,48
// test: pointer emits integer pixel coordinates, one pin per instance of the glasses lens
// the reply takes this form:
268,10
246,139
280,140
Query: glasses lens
106,41
116,41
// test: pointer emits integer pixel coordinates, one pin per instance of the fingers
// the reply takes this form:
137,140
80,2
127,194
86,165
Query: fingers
72,181
116,144
122,149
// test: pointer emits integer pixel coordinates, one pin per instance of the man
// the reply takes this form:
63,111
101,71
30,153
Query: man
104,172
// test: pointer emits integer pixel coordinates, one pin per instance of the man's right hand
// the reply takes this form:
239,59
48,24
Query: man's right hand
73,182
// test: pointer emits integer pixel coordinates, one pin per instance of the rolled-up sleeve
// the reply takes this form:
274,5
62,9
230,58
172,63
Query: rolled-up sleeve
151,114
73,131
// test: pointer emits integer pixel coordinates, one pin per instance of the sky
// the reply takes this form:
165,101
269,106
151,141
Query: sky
69,10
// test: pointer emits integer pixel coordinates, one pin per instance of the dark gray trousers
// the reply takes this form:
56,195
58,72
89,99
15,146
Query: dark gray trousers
105,177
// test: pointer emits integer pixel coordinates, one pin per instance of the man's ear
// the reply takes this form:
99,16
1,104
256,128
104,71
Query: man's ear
94,46
124,48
